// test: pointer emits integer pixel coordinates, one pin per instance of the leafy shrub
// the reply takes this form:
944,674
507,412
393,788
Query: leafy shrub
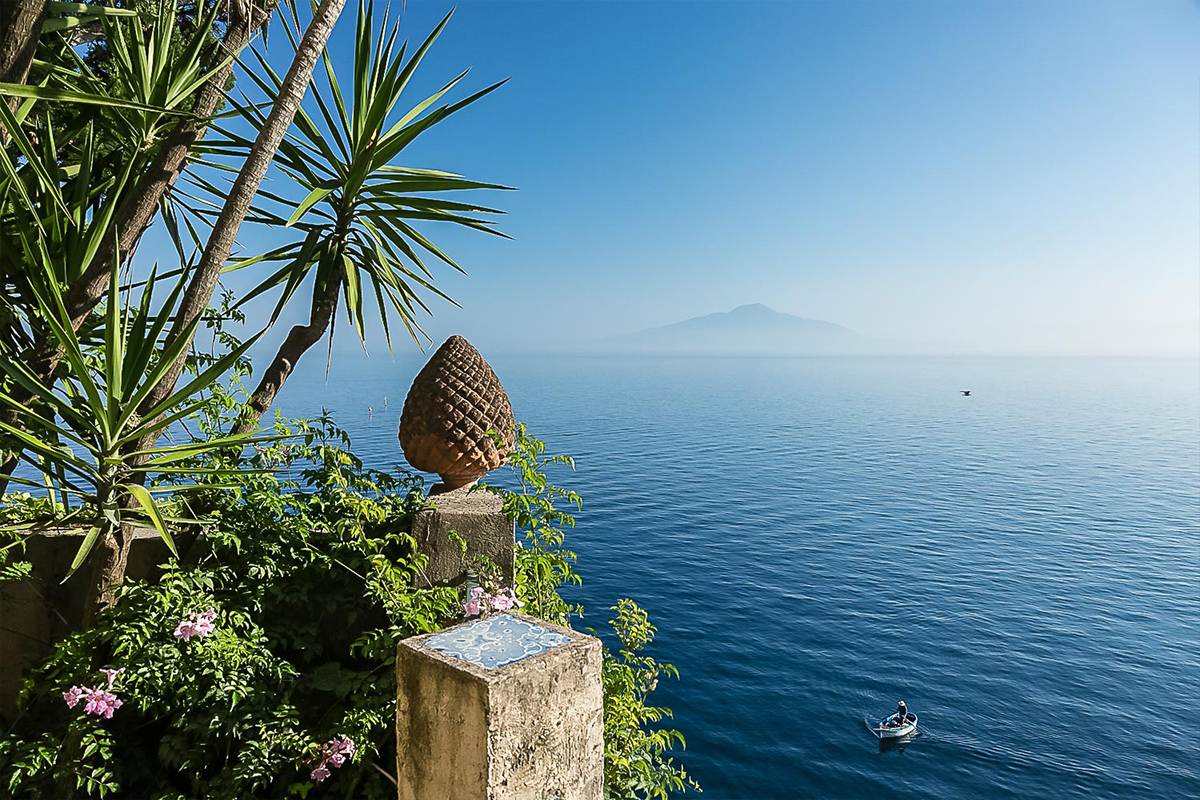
634,764
309,571
311,581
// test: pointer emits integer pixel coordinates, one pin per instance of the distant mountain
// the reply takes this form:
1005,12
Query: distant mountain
749,329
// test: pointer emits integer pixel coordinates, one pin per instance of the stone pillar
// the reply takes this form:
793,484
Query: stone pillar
503,708
477,516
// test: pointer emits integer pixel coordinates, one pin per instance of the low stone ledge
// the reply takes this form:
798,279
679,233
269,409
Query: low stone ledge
38,612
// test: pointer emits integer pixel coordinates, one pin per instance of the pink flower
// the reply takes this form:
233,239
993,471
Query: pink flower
74,695
481,602
343,745
102,703
506,599
335,752
199,625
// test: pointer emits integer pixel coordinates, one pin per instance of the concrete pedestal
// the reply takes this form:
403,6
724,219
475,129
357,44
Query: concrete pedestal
478,517
503,708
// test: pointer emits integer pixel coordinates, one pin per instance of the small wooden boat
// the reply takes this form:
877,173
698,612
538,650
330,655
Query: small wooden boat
893,727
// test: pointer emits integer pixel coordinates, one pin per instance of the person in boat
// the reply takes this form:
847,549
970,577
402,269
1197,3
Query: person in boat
901,713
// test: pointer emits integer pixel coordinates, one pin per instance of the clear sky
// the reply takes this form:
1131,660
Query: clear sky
1005,176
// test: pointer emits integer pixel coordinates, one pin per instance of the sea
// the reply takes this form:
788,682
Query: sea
818,538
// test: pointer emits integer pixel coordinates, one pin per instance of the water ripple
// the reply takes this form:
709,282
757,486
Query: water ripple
818,537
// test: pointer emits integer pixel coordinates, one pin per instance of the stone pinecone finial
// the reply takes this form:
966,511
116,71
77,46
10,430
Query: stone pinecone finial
454,401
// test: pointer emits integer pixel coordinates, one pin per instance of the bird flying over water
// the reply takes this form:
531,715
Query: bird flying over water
965,392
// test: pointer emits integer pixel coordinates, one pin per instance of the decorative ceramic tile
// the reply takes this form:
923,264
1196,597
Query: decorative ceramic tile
496,641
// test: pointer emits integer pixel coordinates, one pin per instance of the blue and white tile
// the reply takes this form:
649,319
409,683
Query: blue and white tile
496,642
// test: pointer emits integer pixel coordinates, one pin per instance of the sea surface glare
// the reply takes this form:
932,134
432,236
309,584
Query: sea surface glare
817,538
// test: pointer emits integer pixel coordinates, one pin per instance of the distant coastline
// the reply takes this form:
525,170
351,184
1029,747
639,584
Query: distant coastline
753,329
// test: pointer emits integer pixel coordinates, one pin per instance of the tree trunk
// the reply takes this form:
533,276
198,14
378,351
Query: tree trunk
105,570
220,243
136,213
20,29
298,341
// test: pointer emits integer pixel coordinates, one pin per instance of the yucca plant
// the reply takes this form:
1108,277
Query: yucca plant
81,436
84,166
356,226
148,83
23,22
69,205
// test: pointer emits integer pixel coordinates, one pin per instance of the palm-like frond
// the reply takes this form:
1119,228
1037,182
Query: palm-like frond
357,223
59,175
81,435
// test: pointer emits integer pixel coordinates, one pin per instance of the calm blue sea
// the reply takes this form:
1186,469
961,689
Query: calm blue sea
818,538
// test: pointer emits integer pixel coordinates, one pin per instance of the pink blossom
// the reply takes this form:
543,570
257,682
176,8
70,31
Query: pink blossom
334,752
338,745
199,625
112,674
102,703
481,602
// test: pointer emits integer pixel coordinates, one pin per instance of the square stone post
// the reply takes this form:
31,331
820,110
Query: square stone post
503,708
476,515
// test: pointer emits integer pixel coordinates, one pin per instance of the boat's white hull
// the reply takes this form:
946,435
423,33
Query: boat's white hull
895,733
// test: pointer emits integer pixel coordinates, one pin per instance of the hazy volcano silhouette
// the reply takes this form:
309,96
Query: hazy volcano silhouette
749,329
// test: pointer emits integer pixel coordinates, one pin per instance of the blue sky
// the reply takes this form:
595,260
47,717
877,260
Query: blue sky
1010,177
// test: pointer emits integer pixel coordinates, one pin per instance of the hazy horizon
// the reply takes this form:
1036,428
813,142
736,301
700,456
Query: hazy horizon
982,177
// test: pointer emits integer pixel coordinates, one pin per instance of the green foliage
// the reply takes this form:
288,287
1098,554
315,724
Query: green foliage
88,429
84,133
543,564
356,226
634,762
312,581
310,569
30,761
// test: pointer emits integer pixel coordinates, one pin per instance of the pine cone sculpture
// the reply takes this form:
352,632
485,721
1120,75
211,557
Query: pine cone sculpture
452,404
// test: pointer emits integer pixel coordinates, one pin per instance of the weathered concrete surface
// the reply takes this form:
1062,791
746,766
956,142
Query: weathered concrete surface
478,517
530,730
37,613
